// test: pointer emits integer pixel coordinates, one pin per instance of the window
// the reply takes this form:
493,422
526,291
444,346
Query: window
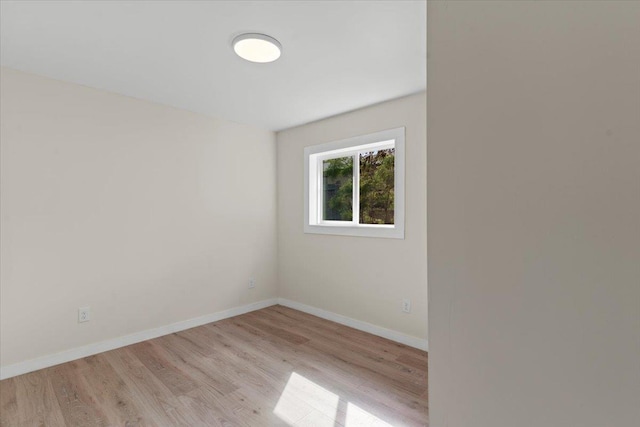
355,186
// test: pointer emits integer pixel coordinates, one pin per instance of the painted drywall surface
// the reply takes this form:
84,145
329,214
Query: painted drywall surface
148,214
534,213
358,277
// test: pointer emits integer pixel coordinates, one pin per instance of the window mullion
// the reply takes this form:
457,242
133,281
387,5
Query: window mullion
356,189
319,186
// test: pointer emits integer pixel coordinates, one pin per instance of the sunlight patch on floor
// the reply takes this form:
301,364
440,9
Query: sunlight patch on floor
302,397
305,403
358,417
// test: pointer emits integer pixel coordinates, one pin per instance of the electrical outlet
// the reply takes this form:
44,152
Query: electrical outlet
252,283
406,305
84,314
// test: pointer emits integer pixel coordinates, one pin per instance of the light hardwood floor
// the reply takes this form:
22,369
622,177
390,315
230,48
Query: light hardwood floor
275,366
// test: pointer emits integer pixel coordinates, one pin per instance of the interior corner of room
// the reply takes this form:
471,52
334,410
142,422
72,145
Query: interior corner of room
149,216
152,215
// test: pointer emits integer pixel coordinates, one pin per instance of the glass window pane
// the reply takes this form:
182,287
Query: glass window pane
337,188
377,186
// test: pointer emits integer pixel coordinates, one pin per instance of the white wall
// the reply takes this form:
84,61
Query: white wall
148,214
534,213
359,277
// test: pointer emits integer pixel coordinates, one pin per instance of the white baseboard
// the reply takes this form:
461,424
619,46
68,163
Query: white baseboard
405,339
91,349
100,347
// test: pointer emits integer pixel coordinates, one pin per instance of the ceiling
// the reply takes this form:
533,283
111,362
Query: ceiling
337,55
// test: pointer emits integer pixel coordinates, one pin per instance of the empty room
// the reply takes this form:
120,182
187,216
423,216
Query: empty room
332,213
214,213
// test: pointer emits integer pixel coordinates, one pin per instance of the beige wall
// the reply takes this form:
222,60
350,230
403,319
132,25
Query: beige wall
534,213
148,214
359,277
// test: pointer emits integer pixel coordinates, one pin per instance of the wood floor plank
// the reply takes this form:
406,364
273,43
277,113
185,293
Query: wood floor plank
364,361
112,393
244,342
8,402
74,397
352,335
31,399
208,408
271,367
410,360
368,355
252,372
376,390
335,371
281,333
317,419
177,380
297,357
354,339
181,353
153,397
44,408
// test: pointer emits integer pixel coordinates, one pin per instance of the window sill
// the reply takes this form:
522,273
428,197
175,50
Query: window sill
381,231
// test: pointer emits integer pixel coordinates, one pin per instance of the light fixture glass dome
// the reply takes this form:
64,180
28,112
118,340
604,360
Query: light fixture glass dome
257,47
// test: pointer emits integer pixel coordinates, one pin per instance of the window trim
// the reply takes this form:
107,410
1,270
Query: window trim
313,157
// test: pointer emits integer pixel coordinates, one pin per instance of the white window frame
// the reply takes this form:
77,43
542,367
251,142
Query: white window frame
316,154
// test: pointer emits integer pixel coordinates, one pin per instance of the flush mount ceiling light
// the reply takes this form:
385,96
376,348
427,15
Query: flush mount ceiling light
257,47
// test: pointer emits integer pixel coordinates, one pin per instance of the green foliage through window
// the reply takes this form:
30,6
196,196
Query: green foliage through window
376,187
337,189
